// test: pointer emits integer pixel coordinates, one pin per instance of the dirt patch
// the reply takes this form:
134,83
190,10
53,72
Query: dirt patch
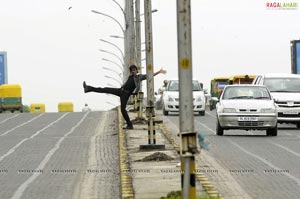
158,156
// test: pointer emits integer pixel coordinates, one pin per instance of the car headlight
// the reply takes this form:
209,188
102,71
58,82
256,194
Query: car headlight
268,110
229,110
171,99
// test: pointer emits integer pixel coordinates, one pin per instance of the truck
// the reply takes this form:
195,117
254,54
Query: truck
11,98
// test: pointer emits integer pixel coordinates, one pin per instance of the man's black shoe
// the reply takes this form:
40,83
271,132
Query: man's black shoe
85,87
128,127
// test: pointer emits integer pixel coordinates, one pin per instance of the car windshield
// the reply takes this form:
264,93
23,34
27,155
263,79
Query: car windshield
246,92
283,84
221,83
174,86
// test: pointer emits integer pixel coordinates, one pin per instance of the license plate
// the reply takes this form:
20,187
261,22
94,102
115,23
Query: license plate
290,112
248,119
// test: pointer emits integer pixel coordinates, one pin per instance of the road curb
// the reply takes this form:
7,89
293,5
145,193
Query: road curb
209,189
126,187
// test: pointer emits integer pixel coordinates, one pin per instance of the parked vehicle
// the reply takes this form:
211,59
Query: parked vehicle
171,97
285,89
11,98
248,107
217,85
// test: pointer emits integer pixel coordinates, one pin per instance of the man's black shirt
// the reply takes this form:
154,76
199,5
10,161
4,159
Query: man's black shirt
129,84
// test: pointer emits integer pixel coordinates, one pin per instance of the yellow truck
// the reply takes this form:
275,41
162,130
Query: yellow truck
217,85
11,98
241,79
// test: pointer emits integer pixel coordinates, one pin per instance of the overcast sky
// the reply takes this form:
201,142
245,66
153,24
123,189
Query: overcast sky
53,45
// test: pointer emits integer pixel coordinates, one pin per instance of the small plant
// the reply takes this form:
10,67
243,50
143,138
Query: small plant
177,195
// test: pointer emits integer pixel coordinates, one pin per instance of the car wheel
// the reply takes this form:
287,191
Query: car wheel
202,113
298,125
272,131
219,129
165,112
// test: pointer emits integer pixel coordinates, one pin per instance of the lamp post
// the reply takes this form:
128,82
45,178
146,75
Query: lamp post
117,36
117,47
107,60
116,72
101,13
109,77
125,32
106,51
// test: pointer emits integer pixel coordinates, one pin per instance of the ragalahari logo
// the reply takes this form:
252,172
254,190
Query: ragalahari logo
282,5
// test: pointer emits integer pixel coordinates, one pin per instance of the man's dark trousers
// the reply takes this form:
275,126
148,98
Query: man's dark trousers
124,96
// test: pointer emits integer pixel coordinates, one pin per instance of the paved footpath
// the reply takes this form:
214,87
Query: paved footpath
151,179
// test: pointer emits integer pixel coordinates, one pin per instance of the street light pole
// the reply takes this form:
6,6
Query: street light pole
150,111
101,13
131,34
109,77
107,60
119,49
186,118
106,51
125,33
112,70
138,36
149,53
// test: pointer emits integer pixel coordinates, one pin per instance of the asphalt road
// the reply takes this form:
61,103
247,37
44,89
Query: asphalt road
249,164
59,155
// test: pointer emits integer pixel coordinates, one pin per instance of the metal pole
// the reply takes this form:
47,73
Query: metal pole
131,33
149,66
138,52
138,36
187,133
293,65
126,41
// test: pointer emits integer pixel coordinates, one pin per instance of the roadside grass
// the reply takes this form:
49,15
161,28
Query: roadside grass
177,195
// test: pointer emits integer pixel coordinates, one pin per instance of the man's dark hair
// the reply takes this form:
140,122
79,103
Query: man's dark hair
132,67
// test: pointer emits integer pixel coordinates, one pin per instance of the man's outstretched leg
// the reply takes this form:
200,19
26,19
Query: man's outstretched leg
114,91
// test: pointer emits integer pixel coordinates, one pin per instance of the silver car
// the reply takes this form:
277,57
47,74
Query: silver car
248,107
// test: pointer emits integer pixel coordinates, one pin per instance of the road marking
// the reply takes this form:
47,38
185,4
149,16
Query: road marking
10,151
297,180
7,132
285,148
87,188
214,132
15,115
208,113
19,192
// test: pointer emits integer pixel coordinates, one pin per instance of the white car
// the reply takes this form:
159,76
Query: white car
248,107
171,98
285,89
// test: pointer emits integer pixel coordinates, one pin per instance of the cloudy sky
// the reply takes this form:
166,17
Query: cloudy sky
53,45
